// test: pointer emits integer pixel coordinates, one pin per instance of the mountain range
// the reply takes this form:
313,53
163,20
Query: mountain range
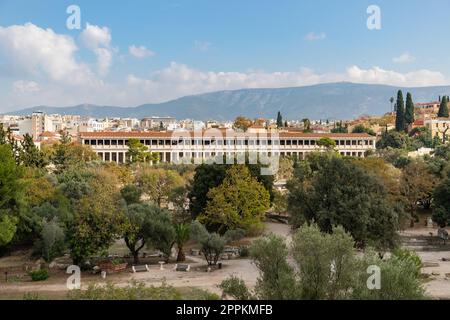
324,101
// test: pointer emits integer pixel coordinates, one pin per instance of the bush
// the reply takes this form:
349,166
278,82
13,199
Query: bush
410,257
134,291
235,288
32,296
202,295
52,243
212,244
315,254
244,251
39,275
399,279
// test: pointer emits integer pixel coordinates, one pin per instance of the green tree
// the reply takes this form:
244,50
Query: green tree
30,155
276,279
146,224
328,267
182,232
306,125
12,189
158,184
239,202
409,111
400,278
97,217
67,154
400,115
161,232
340,128
441,196
362,129
416,186
206,177
212,244
393,139
327,143
138,152
316,254
279,120
53,240
331,190
235,288
135,228
443,108
391,100
131,194
210,176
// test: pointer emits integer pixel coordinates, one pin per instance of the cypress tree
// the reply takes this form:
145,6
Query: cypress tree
400,117
279,120
409,112
443,109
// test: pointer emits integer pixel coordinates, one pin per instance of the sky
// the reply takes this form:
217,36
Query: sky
128,53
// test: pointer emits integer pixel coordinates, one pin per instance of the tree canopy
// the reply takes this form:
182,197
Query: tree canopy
331,190
240,201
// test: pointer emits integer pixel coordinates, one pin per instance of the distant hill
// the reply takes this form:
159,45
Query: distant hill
324,101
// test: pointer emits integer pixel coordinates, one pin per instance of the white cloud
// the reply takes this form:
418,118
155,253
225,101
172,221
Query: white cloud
410,79
202,45
94,37
98,39
177,80
25,87
404,58
312,36
31,50
140,52
55,77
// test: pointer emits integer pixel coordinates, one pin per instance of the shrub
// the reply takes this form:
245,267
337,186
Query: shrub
235,288
212,244
244,251
410,257
52,244
39,275
32,296
134,291
203,295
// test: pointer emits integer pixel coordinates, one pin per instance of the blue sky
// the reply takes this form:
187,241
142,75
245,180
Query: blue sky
190,47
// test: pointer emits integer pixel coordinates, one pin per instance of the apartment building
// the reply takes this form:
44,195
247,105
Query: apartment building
207,144
438,127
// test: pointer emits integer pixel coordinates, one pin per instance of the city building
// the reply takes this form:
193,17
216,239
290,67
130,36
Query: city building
157,122
439,127
206,144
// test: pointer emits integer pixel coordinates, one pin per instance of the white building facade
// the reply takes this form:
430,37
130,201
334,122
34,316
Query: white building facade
198,146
